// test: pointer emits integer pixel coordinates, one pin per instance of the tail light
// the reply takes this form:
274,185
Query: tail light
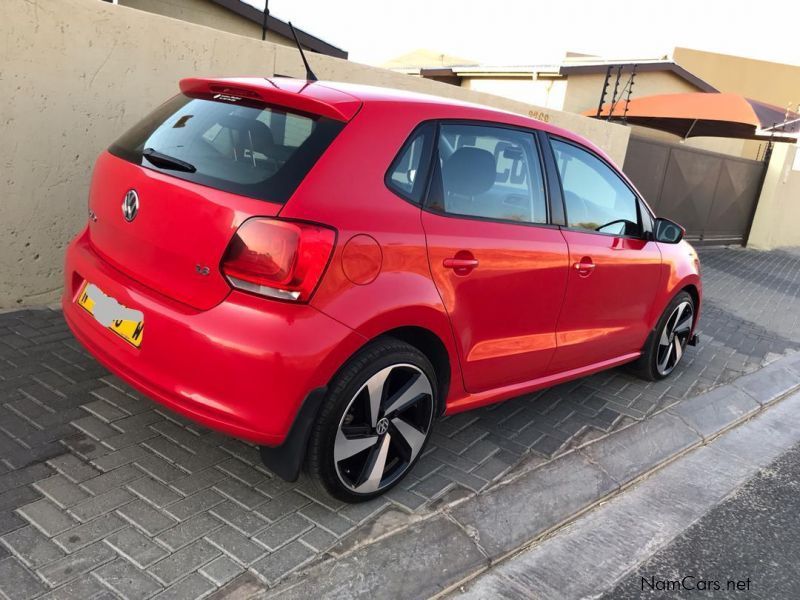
279,259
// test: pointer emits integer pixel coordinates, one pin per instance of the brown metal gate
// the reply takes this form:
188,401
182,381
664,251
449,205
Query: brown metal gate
712,195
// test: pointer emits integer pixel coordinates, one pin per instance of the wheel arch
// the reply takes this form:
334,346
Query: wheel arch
432,346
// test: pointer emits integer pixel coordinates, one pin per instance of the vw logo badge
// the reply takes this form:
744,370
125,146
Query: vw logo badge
382,426
130,205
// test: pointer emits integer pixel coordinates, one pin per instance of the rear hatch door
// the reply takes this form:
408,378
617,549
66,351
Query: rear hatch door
168,196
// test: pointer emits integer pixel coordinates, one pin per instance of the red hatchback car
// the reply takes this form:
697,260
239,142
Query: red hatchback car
325,269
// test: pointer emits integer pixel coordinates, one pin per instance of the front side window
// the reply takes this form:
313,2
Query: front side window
596,198
488,172
245,148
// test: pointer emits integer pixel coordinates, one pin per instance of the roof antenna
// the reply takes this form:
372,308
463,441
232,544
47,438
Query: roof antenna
309,73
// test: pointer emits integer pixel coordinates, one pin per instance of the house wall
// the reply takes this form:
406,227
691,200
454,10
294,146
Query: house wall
205,12
80,72
776,83
777,219
548,93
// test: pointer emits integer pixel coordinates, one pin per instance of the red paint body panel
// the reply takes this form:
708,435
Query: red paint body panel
606,310
180,225
522,319
242,367
504,311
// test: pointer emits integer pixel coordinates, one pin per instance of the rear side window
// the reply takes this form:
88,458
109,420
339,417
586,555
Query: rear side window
249,149
407,176
488,172
596,198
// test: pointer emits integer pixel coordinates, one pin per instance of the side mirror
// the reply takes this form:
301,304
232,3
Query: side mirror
667,232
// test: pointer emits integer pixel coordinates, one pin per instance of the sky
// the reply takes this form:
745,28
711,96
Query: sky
519,32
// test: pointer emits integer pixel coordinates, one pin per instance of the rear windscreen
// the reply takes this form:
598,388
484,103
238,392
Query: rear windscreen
252,150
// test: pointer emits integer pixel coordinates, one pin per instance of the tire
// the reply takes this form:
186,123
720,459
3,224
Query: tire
674,328
350,439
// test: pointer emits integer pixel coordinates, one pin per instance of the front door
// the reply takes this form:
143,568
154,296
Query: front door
500,269
614,268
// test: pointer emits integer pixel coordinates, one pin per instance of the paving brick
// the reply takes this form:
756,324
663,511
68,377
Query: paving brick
185,560
432,486
145,517
319,539
243,472
160,469
239,492
275,536
18,582
246,521
198,481
135,547
127,580
364,510
221,570
188,531
94,427
9,521
17,496
98,505
61,490
82,588
153,491
182,457
468,480
85,534
24,476
104,411
327,519
406,499
282,562
115,459
194,504
193,586
76,564
47,517
235,545
33,548
73,467
282,505
111,479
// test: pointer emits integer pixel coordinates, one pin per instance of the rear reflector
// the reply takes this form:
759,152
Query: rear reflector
279,259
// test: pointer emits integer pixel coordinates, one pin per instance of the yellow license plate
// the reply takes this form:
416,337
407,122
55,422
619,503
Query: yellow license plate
126,322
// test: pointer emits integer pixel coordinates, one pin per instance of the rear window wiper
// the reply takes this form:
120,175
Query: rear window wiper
167,162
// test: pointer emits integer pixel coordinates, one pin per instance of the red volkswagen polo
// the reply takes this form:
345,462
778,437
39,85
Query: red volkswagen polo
325,269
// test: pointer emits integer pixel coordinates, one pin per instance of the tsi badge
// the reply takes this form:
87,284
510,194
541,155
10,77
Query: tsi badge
130,205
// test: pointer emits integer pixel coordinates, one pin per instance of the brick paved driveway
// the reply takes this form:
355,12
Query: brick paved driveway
103,494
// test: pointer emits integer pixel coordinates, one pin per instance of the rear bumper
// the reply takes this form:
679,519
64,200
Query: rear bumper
242,367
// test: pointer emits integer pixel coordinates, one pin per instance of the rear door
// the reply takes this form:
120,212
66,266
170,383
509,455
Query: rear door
167,196
615,269
500,268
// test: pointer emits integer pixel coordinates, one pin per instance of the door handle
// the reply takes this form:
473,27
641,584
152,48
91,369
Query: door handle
584,267
462,263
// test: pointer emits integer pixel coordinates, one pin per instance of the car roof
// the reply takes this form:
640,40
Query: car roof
342,99
373,94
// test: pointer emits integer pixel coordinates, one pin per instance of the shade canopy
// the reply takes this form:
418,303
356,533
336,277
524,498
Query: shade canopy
707,114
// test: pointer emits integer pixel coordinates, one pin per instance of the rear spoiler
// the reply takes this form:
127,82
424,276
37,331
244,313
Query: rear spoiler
303,96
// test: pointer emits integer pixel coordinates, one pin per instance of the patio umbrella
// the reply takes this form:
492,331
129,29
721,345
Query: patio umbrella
707,114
